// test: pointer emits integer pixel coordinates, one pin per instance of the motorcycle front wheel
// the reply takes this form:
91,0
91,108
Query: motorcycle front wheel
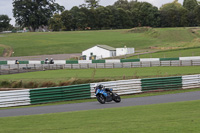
101,99
117,98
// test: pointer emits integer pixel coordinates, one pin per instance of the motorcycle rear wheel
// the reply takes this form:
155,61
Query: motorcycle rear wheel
117,98
101,99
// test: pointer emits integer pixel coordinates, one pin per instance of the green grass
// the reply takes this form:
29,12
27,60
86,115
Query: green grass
1,51
182,117
171,53
117,73
26,44
68,42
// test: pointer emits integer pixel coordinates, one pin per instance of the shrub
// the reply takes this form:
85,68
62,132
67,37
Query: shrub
17,84
48,84
31,84
5,84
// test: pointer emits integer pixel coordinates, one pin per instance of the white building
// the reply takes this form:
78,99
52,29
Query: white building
98,52
124,51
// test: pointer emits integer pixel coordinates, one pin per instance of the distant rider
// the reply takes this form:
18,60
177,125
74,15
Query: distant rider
51,61
46,61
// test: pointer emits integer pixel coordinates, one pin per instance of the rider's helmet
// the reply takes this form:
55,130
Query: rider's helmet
100,86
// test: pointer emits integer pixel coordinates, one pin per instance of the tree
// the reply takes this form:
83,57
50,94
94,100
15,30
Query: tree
79,18
124,4
35,13
173,15
197,15
66,18
92,3
144,14
4,22
190,4
55,23
103,17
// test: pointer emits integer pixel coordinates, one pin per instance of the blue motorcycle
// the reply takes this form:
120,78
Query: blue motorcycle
106,95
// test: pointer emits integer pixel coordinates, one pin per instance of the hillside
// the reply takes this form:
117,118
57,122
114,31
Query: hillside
28,44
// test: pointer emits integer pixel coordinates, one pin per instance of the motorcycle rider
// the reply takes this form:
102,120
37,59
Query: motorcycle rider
46,61
16,62
100,86
51,61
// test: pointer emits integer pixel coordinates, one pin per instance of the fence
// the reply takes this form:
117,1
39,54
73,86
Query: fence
45,95
14,98
58,62
53,94
121,87
21,68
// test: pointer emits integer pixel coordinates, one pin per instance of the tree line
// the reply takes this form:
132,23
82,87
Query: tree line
122,14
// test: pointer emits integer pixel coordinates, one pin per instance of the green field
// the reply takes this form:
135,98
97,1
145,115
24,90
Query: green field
27,44
171,53
118,73
180,117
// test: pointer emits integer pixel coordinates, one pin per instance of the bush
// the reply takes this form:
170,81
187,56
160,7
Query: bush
48,84
5,84
17,84
64,83
31,84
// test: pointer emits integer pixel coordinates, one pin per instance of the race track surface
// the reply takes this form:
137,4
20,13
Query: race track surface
189,96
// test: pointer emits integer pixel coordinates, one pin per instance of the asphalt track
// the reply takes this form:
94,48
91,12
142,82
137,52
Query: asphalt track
188,96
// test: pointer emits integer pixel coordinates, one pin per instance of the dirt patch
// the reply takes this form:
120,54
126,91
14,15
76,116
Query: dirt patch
165,48
7,52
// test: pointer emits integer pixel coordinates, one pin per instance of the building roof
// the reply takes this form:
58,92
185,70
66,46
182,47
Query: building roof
107,47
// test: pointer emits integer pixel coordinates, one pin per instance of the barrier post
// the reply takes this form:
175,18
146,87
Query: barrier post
18,67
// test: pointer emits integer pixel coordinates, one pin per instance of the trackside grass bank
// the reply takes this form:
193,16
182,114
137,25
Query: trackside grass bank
29,44
187,52
170,117
117,73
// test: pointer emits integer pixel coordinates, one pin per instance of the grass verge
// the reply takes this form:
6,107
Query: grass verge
158,118
117,73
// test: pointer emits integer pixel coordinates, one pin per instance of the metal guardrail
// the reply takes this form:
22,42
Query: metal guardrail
120,87
64,93
21,68
14,98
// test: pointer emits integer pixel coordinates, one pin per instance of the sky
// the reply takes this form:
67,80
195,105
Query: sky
6,5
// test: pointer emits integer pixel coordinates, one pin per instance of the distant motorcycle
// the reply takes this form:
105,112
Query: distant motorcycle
106,95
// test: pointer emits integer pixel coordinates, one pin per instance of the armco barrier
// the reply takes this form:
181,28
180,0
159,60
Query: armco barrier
53,94
14,98
165,83
121,86
191,81
193,58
